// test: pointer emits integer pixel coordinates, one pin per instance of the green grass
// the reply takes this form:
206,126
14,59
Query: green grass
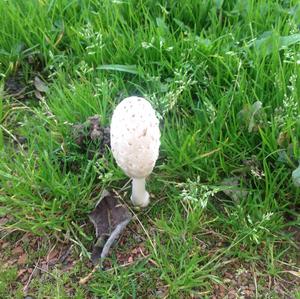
203,65
7,281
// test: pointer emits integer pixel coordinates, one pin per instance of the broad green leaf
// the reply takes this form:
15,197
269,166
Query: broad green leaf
203,42
219,3
296,176
264,42
254,110
4,53
289,40
161,24
241,7
181,25
132,69
268,40
295,12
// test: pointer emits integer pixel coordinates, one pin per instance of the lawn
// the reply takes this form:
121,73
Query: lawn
224,78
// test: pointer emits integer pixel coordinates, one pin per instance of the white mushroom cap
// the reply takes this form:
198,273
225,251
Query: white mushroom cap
135,136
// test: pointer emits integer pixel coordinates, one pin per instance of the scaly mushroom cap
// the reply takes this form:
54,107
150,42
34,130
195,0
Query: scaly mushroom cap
134,136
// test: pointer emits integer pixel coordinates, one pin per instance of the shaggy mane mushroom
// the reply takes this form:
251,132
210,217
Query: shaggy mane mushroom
135,143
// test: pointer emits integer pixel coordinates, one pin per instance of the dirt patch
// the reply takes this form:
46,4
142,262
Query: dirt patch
238,279
130,248
15,85
91,136
35,258
243,280
27,80
26,254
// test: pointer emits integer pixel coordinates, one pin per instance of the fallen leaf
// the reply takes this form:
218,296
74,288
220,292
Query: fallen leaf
21,272
130,259
40,85
38,95
283,139
52,254
22,259
3,220
5,245
109,218
25,277
17,250
10,262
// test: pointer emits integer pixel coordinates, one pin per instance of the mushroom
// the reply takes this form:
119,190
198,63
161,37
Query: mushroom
134,137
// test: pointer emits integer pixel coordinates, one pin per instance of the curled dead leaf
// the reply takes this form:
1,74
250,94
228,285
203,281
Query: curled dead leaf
109,218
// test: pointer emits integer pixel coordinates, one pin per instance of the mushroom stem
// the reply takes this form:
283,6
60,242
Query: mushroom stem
139,197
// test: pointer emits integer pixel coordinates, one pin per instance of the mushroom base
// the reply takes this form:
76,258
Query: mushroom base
139,197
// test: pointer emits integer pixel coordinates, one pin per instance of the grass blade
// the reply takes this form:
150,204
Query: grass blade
131,69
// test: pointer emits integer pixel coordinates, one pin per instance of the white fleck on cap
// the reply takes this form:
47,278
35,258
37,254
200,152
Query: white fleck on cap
134,135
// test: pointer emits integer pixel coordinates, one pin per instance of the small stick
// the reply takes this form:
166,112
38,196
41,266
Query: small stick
25,289
114,236
84,280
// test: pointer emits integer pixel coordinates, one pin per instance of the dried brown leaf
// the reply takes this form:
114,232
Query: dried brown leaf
52,254
110,218
17,250
22,259
21,272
